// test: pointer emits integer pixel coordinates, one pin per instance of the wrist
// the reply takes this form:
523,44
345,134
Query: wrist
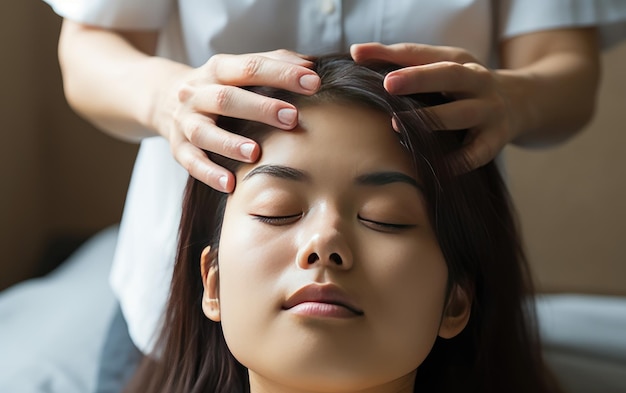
516,88
551,99
158,98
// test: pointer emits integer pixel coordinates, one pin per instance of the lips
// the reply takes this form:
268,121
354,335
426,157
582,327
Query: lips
323,300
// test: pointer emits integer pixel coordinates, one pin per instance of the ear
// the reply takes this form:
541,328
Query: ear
210,280
457,312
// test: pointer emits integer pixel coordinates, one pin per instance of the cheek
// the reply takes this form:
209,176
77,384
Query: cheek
412,270
250,265
249,249
246,261
408,294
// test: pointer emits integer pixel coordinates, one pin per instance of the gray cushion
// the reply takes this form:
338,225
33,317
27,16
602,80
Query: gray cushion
53,328
585,341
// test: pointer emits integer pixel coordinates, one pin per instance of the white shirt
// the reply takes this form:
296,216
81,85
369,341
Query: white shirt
193,30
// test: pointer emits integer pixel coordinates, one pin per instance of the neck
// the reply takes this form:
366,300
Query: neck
260,384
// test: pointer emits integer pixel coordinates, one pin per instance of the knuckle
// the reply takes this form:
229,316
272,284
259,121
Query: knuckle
223,97
251,66
288,73
193,165
212,65
481,72
282,52
415,50
194,132
197,167
475,66
407,46
184,92
267,107
460,55
228,146
457,72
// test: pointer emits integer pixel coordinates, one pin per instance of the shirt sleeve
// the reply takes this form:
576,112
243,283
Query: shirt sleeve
518,17
119,14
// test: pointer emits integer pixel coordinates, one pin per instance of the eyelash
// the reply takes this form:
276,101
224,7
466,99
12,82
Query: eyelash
286,220
387,227
277,220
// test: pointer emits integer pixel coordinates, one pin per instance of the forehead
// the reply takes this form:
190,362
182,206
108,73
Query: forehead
332,137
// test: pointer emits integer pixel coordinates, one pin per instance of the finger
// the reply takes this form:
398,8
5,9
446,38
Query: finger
204,134
290,57
239,103
200,167
460,114
465,79
409,54
481,148
258,70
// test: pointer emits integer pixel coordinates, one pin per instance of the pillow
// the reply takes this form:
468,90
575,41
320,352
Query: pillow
53,328
584,340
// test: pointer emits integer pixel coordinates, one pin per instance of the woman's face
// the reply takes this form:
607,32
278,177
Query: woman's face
330,275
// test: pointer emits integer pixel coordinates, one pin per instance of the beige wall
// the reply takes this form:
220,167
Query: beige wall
20,150
572,199
61,178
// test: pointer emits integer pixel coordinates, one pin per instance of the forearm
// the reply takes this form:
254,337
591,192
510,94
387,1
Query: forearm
112,80
553,89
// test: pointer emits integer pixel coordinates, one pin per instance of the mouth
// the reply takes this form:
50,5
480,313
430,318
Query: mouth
326,300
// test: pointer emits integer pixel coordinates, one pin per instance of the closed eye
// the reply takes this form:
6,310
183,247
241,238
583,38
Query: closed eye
277,220
385,226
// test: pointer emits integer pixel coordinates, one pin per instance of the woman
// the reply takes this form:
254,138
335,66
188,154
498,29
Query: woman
350,257
162,71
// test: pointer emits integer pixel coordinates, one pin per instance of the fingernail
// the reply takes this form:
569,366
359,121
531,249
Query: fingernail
393,84
394,124
223,182
310,82
246,149
287,116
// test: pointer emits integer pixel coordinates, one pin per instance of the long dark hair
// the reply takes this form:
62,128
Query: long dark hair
470,211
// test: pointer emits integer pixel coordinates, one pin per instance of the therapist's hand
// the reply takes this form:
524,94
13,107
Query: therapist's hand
212,90
478,105
116,80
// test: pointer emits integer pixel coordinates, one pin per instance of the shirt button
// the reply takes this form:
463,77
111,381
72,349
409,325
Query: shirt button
327,6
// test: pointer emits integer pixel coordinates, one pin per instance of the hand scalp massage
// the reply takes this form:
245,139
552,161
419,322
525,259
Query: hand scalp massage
318,204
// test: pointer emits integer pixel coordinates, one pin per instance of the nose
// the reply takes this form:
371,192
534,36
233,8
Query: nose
324,243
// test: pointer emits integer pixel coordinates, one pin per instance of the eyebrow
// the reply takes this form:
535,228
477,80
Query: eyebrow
368,179
383,178
279,171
